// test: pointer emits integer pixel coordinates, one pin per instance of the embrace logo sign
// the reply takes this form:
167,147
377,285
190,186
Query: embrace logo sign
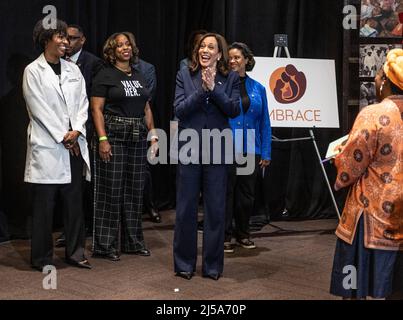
287,84
300,92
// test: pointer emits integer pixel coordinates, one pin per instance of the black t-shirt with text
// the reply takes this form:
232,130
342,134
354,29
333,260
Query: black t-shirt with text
125,96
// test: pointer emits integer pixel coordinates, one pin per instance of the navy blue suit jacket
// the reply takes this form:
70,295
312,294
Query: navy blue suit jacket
198,109
89,65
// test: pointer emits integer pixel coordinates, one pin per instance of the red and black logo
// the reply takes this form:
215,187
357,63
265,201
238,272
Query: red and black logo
288,85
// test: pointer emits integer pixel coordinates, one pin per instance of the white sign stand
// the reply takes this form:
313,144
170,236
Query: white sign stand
277,54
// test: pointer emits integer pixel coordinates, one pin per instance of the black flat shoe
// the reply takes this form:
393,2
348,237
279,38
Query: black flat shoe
85,264
213,276
184,275
142,252
155,216
37,268
110,256
61,241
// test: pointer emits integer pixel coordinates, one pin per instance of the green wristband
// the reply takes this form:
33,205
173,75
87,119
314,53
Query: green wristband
103,138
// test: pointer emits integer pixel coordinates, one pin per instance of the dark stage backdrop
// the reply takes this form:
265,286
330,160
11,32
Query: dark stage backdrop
293,182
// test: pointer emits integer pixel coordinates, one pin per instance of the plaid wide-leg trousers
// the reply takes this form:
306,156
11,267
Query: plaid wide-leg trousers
119,187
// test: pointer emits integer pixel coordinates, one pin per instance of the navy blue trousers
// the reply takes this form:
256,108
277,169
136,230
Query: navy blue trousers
191,179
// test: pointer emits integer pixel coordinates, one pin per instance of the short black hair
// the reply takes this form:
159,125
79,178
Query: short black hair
246,52
76,26
395,89
190,46
41,35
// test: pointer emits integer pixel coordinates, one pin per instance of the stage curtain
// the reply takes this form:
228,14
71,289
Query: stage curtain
294,180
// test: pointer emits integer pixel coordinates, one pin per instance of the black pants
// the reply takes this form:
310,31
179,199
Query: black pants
88,188
44,197
148,200
240,202
119,187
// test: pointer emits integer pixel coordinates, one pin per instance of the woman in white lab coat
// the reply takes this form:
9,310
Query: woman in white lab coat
57,153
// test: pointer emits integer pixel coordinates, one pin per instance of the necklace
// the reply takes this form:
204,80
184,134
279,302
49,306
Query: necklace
127,71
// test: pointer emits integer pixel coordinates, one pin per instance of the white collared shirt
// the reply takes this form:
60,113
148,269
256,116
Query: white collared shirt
75,56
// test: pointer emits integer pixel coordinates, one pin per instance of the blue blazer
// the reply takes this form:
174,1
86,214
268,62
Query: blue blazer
150,76
198,109
257,117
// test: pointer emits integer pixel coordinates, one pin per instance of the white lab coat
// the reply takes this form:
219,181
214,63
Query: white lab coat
52,103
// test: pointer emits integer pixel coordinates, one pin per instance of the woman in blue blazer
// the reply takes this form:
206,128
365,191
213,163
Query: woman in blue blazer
207,95
254,116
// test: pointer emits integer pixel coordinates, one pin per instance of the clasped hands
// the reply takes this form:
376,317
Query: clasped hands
208,78
71,144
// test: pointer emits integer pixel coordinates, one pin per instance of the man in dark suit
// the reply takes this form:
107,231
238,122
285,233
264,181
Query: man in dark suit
149,74
89,65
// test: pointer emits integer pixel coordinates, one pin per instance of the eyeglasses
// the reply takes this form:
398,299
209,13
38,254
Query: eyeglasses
70,38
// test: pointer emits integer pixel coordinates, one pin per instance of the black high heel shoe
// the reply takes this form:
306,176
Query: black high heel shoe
184,275
214,276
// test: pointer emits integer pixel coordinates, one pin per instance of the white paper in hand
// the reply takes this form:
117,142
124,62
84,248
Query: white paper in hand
334,147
